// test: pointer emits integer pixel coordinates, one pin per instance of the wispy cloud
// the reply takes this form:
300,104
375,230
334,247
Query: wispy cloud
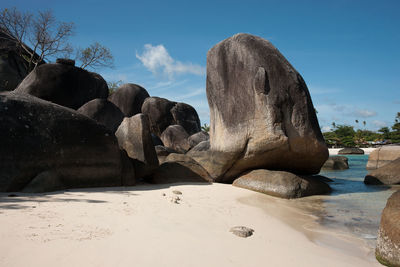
379,124
364,113
157,59
191,94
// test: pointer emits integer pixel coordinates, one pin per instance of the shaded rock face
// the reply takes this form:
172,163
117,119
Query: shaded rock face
202,146
64,84
129,98
163,113
282,184
382,156
197,138
350,151
134,137
179,168
336,163
388,244
389,174
261,111
104,112
176,137
43,143
163,152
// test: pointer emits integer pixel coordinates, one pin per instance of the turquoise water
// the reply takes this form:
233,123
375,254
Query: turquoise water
353,207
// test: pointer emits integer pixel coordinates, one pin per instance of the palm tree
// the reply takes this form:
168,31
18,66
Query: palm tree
364,122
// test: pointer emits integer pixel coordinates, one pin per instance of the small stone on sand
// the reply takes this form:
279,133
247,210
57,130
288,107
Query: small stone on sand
242,231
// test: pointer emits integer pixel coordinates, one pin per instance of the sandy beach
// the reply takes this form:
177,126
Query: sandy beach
367,150
140,226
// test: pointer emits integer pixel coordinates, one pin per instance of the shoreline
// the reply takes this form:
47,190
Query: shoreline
140,226
367,150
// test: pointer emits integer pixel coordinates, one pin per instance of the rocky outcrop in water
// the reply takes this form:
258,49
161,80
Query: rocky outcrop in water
336,163
64,84
388,174
46,147
261,112
351,151
388,243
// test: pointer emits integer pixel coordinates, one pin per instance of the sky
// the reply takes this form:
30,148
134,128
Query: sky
346,51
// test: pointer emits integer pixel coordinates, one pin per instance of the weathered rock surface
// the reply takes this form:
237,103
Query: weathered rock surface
163,152
47,147
388,243
382,156
163,113
336,163
282,184
64,84
104,112
180,168
389,174
202,146
176,137
134,137
261,111
197,138
350,151
129,98
242,231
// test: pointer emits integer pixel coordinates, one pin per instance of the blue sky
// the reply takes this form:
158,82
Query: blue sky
347,51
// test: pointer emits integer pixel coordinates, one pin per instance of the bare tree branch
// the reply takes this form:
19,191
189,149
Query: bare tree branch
95,56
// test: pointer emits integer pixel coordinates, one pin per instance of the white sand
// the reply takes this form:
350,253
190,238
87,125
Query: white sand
367,150
138,226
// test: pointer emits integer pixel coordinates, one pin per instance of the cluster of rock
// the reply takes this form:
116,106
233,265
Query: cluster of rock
384,166
70,133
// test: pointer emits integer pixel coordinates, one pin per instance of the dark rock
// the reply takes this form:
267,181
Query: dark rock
176,137
66,61
134,137
179,168
282,184
242,231
336,163
350,151
197,138
389,174
186,116
388,243
129,98
163,113
40,140
104,112
156,140
63,84
202,146
261,111
162,153
383,155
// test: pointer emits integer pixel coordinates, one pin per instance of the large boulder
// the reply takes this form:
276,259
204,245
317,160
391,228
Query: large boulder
178,168
45,147
64,84
389,174
282,184
388,244
197,138
336,163
163,113
176,137
261,111
134,137
163,152
351,151
104,112
129,98
383,155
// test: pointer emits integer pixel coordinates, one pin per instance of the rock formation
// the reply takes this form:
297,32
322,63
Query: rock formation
336,163
197,138
261,112
282,184
388,243
134,137
350,151
47,147
129,98
64,84
163,113
388,174
104,112
383,155
176,137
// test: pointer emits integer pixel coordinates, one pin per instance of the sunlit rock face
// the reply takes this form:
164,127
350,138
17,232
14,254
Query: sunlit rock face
261,112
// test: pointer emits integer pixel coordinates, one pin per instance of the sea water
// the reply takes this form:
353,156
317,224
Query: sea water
352,207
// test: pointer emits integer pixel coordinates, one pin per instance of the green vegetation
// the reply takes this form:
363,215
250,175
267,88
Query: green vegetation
113,85
205,127
345,135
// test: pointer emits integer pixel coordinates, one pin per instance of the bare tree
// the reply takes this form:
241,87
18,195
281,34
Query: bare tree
95,56
43,33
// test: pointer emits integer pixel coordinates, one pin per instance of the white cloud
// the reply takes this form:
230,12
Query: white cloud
157,59
379,124
326,129
364,113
